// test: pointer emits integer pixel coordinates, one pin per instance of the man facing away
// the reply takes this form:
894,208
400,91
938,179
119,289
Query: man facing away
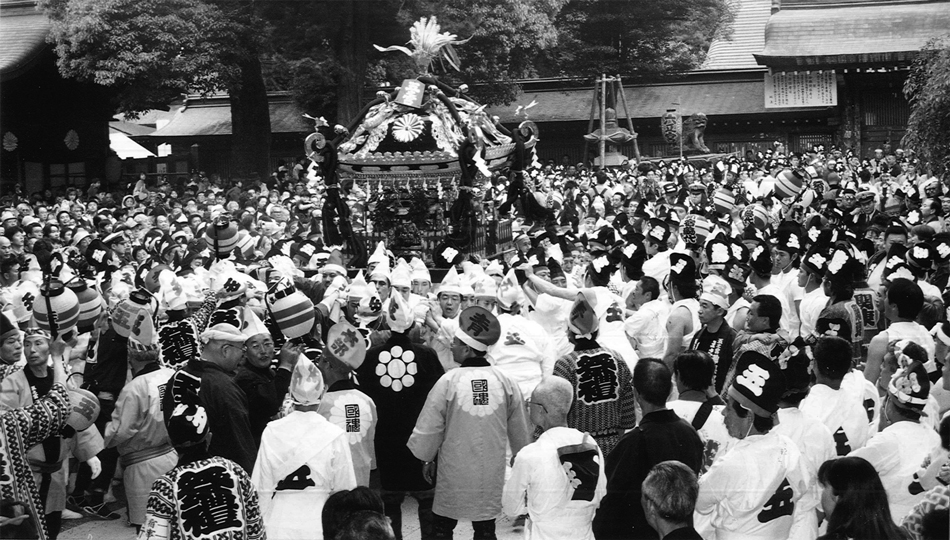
559,479
661,435
669,497
471,416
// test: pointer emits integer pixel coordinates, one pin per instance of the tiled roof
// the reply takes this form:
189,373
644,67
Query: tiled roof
710,98
863,34
129,128
747,37
23,32
213,117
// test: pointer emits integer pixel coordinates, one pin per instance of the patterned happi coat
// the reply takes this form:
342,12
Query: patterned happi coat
21,430
471,416
210,499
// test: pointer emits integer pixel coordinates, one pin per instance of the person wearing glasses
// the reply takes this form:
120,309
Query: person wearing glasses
228,416
119,244
559,479
264,385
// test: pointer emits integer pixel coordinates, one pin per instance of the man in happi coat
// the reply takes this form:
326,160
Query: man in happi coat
470,418
303,459
344,405
20,430
205,496
398,376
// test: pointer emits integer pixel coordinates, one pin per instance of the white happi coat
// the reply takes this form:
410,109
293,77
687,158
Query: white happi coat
471,415
545,488
523,352
355,413
610,314
715,436
303,459
896,454
814,441
551,313
647,326
842,413
751,491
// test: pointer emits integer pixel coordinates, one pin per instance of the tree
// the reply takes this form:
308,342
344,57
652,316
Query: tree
321,51
641,40
928,91
504,39
149,52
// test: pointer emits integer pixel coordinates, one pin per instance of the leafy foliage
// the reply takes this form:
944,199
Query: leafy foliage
638,39
505,38
148,51
928,91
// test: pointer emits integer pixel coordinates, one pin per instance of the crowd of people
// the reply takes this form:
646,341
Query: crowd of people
750,348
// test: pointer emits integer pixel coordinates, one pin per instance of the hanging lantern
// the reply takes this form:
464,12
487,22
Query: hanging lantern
57,308
151,282
132,311
671,126
222,236
788,184
90,304
83,409
291,309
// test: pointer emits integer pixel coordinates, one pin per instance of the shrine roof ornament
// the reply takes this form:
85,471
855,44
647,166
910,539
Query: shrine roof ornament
416,130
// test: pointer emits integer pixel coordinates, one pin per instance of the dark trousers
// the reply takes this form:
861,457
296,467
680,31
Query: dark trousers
108,457
392,501
54,520
443,527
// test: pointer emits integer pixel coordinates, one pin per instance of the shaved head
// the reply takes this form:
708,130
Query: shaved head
555,393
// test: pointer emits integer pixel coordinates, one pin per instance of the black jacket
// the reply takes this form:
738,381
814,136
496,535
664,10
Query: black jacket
661,436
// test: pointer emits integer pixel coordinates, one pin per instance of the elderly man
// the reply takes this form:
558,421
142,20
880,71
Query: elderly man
470,418
669,497
559,479
264,386
224,400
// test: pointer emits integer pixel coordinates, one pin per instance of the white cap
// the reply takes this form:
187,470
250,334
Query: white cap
451,283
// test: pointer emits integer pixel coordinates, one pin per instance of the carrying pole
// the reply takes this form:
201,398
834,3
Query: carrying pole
603,120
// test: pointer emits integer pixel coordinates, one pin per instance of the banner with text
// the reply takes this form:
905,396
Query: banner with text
800,89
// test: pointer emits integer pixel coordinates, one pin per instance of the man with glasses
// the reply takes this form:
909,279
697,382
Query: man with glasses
264,386
227,405
119,244
558,480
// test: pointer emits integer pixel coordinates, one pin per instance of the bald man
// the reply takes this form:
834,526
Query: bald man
559,479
